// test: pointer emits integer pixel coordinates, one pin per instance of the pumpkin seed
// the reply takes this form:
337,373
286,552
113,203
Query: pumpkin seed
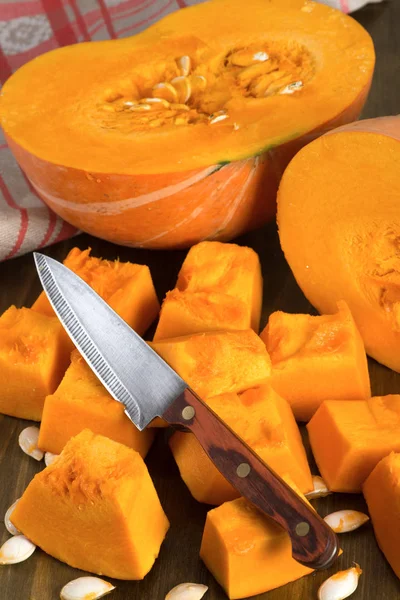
184,64
10,526
292,87
320,489
28,442
199,83
187,591
343,521
341,585
49,458
85,588
249,73
166,91
156,101
183,88
217,117
183,107
16,550
140,107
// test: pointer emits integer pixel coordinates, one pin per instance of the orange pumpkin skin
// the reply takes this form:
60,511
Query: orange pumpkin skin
172,186
339,228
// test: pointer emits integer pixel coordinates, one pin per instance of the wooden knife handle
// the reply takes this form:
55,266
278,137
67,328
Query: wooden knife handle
314,544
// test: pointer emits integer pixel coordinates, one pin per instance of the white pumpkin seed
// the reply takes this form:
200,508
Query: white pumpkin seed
291,87
16,550
218,116
140,107
166,91
28,442
341,585
261,56
86,588
184,64
187,591
157,101
10,526
320,489
343,521
183,88
49,458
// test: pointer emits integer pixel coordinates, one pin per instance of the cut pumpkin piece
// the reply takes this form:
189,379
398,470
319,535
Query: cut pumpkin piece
82,402
266,423
382,494
316,359
33,359
215,363
96,509
339,228
219,287
128,288
348,439
246,552
181,133
228,269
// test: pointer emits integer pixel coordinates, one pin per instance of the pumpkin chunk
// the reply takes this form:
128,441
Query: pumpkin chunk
382,494
95,508
265,422
348,439
339,228
81,402
246,552
219,287
128,288
33,360
316,359
215,363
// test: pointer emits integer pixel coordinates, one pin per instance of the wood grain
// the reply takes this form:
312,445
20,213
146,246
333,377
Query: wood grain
41,577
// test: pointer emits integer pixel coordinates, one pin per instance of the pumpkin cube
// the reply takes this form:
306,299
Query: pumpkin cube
33,360
183,313
266,423
128,288
382,494
246,552
228,269
81,402
217,362
95,508
316,359
349,438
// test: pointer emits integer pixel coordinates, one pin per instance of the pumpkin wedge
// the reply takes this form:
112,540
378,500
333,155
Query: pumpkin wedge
246,552
339,227
181,132
95,508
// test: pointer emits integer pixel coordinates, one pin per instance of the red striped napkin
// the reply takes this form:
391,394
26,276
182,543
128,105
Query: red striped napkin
31,27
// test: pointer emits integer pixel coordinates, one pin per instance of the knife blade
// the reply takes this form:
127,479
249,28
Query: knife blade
148,387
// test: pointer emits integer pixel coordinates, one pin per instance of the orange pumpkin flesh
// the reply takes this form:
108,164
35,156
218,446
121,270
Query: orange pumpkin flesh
219,287
339,228
382,494
216,363
81,402
349,438
33,359
126,287
95,508
327,351
265,422
265,78
246,552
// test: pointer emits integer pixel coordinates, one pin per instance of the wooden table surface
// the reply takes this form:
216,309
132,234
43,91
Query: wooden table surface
41,577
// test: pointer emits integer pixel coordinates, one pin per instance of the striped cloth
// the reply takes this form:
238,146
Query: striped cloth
31,27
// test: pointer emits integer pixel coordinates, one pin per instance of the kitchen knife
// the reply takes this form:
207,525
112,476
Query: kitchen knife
148,387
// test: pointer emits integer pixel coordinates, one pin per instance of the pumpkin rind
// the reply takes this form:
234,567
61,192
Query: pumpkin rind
98,178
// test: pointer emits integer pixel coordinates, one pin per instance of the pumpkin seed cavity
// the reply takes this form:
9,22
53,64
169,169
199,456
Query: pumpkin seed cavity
200,92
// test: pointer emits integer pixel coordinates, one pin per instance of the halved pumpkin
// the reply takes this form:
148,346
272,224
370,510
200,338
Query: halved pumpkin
182,132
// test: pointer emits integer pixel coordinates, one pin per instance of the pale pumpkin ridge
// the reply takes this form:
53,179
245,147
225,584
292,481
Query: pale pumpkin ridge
128,203
236,203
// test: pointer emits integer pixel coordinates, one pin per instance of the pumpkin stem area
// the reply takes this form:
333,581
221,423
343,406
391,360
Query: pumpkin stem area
200,88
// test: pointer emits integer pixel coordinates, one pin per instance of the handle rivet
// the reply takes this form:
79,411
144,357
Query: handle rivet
243,470
302,528
188,413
